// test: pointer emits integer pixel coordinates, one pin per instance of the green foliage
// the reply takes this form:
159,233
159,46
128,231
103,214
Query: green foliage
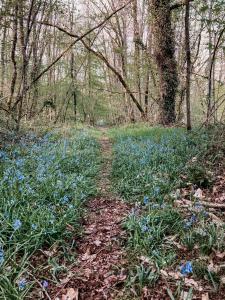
43,184
147,170
142,276
152,166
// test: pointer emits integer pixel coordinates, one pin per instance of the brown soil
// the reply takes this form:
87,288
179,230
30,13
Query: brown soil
101,259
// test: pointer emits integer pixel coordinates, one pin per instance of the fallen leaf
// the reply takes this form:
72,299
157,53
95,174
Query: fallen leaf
71,294
164,273
175,275
198,194
97,243
220,254
88,255
50,253
67,279
213,268
205,296
145,259
192,283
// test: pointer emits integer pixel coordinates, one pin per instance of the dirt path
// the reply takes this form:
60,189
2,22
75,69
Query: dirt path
100,272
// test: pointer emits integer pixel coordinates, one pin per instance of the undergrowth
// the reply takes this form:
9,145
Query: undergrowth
44,182
167,239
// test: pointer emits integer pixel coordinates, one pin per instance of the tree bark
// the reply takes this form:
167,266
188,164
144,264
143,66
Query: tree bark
188,59
165,59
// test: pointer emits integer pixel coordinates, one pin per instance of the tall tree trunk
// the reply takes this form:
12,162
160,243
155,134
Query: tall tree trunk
73,84
137,60
165,59
3,63
188,59
209,95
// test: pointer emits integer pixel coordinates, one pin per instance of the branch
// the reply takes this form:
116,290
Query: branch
103,58
179,4
78,38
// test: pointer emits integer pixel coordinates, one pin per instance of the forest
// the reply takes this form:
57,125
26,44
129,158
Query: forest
112,149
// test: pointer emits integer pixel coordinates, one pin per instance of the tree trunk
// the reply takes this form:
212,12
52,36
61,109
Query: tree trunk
165,59
188,59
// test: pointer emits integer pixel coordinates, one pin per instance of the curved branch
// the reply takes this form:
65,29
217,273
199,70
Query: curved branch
79,38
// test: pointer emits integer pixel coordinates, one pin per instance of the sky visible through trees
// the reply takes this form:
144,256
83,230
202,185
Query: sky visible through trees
112,149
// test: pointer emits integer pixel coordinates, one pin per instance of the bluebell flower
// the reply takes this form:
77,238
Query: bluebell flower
45,284
20,177
199,206
2,256
163,205
34,226
193,219
145,228
146,200
156,191
22,284
190,222
154,206
17,224
205,214
3,155
65,199
187,224
186,269
19,162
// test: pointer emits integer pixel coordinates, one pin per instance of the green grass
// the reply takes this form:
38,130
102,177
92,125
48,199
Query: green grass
152,165
44,183
138,130
150,168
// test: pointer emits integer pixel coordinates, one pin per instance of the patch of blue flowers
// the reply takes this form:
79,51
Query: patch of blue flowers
43,185
151,166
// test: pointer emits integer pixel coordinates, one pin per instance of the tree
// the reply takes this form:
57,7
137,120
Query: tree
164,46
188,63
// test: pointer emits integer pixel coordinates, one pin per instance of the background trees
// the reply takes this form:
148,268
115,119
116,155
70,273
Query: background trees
137,65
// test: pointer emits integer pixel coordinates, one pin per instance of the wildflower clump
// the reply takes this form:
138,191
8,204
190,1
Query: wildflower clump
44,183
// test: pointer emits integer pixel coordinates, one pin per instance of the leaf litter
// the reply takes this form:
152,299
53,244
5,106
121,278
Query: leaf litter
100,269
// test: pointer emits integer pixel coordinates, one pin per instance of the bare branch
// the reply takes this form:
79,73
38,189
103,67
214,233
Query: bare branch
78,38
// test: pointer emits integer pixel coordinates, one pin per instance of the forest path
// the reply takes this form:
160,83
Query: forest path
100,271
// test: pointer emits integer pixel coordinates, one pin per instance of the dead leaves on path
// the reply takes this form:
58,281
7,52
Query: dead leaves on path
99,271
71,294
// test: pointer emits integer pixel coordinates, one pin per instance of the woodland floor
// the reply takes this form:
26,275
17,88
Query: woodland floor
101,258
105,251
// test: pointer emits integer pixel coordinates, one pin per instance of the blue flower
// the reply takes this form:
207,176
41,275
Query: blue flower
65,200
156,191
44,284
191,221
3,155
145,228
22,284
17,224
187,225
199,206
146,200
34,226
2,256
186,269
155,206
